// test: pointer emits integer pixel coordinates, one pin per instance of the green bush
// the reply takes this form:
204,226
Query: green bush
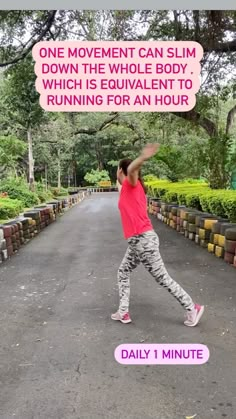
196,195
171,196
158,188
44,196
182,196
58,192
41,192
194,181
176,192
17,188
150,178
205,203
10,208
229,205
191,197
211,203
63,192
221,203
96,176
193,200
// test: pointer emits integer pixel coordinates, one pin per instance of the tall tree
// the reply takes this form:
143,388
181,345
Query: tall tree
21,103
21,30
11,152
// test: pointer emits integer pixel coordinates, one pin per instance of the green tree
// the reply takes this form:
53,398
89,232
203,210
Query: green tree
11,151
202,139
96,176
54,150
21,102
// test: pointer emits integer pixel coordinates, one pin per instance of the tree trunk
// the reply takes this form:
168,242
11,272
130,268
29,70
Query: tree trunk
46,177
218,176
15,171
31,160
99,156
59,170
178,27
68,182
75,174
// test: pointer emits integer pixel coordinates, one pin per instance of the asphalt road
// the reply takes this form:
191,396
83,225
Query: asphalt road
57,340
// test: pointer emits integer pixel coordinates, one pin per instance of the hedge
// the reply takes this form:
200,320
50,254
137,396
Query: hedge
198,195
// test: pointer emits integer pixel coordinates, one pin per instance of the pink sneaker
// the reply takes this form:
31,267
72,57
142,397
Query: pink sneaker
125,318
193,317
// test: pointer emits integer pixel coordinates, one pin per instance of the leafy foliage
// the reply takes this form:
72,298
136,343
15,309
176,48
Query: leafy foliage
17,188
96,176
200,143
21,99
10,208
11,151
199,196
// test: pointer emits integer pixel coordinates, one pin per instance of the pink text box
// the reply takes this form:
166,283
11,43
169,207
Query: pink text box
75,76
162,354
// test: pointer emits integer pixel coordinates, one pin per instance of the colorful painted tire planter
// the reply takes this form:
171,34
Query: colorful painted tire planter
15,233
214,233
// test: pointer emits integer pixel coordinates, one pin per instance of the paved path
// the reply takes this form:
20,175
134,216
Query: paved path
57,339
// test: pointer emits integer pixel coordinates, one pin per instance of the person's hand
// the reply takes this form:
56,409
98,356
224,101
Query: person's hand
150,150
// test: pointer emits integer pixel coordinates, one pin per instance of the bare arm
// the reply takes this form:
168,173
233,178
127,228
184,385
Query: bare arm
133,169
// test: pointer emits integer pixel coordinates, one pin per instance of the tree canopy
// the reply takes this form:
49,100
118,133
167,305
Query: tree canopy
65,147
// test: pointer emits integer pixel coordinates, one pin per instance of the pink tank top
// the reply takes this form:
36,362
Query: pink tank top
133,210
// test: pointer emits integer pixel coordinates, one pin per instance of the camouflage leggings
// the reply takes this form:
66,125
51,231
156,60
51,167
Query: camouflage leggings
145,249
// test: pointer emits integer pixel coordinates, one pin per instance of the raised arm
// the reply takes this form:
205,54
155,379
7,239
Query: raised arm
133,169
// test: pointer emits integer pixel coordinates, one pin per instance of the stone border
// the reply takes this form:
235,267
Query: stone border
214,233
19,231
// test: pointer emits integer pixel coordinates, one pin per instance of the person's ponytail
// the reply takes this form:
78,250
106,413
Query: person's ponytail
142,182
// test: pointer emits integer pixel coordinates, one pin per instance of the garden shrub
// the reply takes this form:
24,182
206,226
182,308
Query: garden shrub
182,196
193,198
56,192
196,195
10,208
204,201
150,178
41,192
44,196
17,188
229,205
215,204
171,196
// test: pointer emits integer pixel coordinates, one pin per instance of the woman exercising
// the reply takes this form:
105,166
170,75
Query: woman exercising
143,242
